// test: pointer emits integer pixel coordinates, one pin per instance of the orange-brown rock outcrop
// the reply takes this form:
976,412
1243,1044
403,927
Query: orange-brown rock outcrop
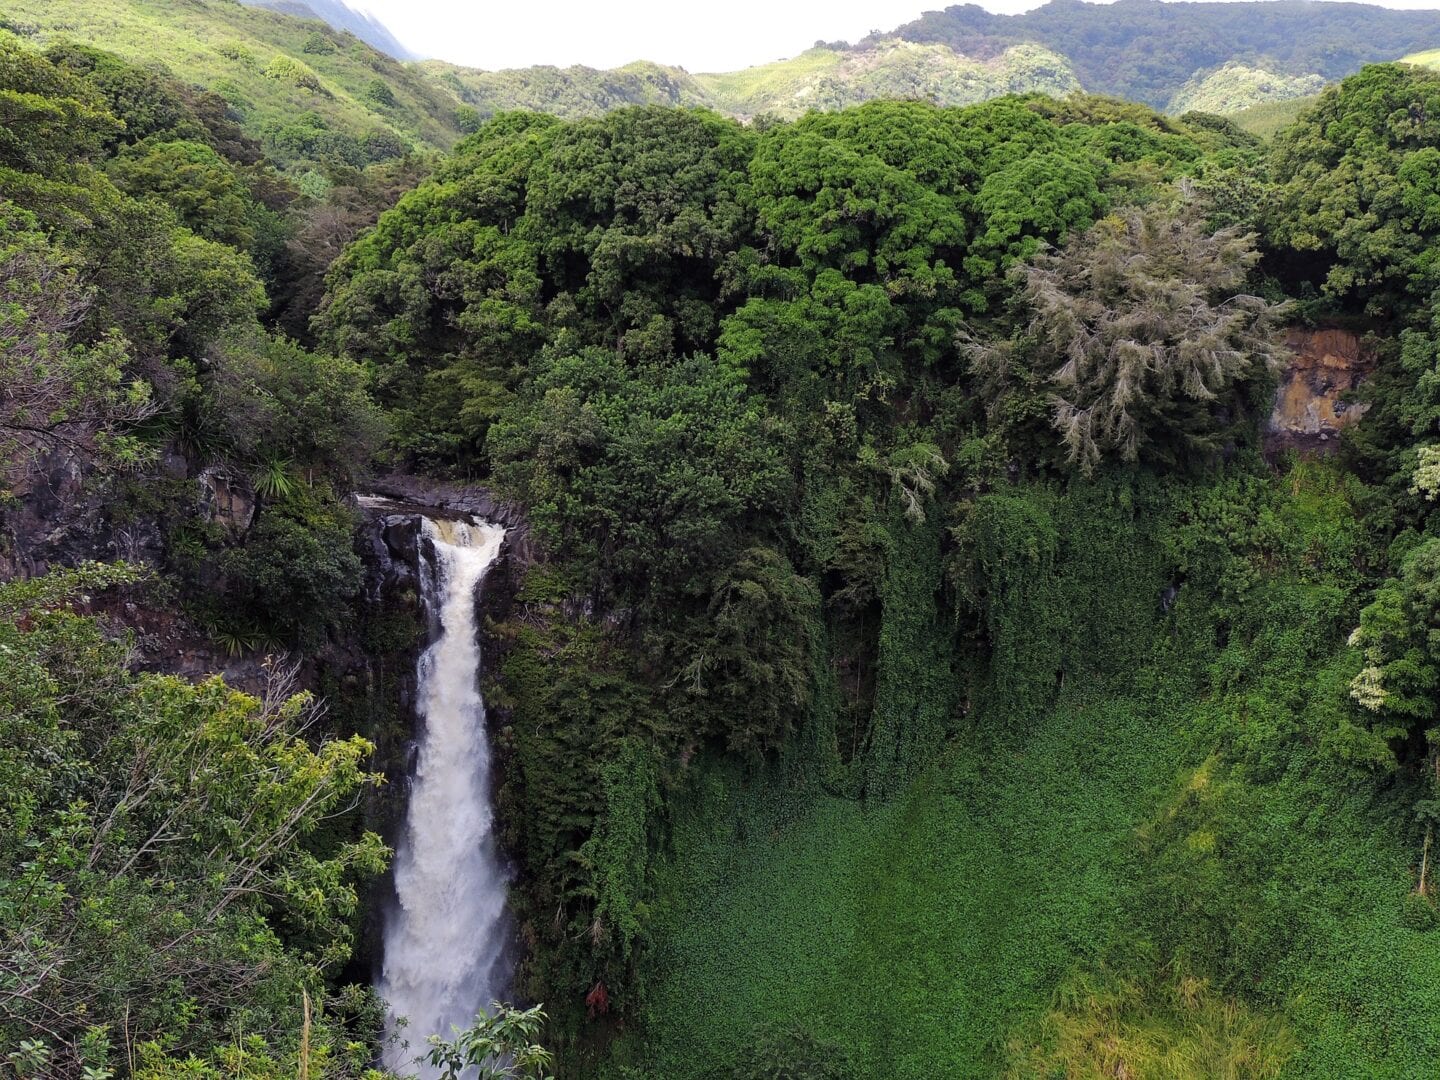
1310,409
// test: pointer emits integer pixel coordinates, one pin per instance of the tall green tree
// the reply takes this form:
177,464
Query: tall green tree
1358,188
645,477
59,392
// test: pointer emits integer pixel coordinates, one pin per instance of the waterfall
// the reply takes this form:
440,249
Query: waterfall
444,941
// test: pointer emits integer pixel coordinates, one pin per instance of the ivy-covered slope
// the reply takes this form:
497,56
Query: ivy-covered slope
1170,865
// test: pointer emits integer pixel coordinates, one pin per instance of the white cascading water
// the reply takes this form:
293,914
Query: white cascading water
445,941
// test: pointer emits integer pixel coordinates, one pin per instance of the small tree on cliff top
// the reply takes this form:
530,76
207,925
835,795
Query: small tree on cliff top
1146,333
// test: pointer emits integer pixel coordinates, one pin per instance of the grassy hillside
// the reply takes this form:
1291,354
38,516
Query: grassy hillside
1236,87
1429,58
571,92
825,79
1265,120
772,86
302,88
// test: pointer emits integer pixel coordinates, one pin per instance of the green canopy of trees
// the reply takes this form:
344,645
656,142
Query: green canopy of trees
721,367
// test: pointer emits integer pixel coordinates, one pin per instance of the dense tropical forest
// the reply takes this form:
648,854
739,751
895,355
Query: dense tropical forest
979,607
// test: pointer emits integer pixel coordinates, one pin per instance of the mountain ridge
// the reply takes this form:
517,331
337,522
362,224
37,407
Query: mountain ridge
341,16
1145,50
315,78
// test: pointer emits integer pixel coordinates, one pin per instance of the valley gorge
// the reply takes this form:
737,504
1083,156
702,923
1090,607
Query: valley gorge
888,589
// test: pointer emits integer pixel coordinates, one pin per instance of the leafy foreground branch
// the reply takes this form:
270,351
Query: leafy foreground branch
498,1046
167,900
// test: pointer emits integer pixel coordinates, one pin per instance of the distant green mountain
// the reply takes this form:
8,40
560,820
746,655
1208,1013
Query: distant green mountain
825,78
1151,50
567,92
311,92
820,78
1177,57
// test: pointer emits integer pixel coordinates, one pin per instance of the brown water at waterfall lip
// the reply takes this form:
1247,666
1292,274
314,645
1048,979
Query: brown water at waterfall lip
450,531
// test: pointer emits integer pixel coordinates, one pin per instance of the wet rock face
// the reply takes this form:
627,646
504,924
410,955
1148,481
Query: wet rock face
227,498
439,498
388,547
1309,410
391,545
58,514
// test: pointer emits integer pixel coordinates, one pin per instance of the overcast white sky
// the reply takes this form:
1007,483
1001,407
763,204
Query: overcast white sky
701,36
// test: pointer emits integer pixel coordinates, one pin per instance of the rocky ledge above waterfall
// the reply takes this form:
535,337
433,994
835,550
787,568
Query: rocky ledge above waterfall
390,535
441,498
392,547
